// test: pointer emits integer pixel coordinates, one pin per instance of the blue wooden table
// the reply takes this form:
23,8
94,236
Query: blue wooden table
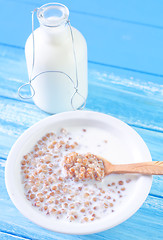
125,61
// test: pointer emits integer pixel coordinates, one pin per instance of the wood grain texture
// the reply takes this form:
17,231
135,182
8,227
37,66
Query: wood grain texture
145,168
9,236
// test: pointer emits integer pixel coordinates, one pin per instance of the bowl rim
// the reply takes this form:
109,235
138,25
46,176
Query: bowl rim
74,228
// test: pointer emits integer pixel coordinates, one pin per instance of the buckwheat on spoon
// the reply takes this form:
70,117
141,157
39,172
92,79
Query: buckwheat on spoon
90,166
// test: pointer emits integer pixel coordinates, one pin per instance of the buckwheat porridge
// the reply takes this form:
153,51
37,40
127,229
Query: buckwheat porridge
63,180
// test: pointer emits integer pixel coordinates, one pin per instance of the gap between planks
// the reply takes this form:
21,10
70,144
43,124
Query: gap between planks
97,63
10,234
130,124
118,19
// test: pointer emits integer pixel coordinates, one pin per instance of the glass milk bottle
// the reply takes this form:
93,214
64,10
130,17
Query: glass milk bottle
57,65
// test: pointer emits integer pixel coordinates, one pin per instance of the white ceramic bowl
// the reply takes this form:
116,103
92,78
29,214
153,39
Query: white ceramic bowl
129,140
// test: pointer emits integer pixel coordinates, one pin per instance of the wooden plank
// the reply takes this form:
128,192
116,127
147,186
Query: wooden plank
133,97
138,12
111,42
121,44
8,236
12,125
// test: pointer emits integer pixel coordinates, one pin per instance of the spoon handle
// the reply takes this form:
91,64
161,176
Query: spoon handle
147,168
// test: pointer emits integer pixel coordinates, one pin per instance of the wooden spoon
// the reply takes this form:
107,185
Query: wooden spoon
146,168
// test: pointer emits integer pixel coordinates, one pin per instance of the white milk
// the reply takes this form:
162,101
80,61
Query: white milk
54,52
96,141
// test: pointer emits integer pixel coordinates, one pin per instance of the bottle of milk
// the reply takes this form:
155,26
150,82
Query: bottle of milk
56,56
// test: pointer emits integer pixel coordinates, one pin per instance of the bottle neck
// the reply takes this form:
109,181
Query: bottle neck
53,20
57,35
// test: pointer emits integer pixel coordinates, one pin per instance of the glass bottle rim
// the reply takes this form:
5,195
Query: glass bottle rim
52,14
